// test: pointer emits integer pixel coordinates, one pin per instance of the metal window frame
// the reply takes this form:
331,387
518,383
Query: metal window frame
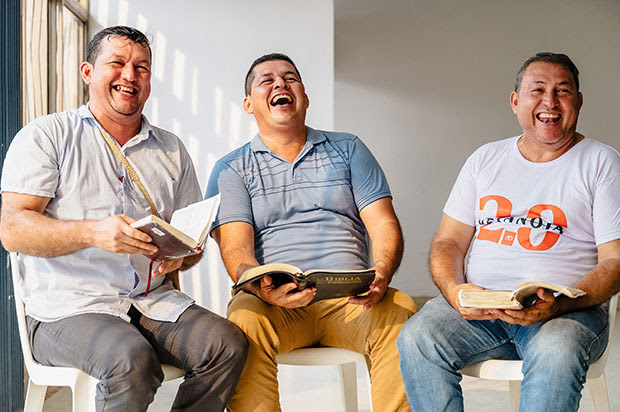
11,361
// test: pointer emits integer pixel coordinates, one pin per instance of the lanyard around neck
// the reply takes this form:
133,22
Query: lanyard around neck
132,173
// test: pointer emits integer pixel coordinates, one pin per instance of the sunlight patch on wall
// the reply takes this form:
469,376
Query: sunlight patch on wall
193,147
176,127
159,56
123,12
102,12
218,104
142,23
219,290
154,117
234,127
194,100
178,69
208,166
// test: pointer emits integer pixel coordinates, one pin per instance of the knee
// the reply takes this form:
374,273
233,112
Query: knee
250,314
396,306
136,365
412,336
236,347
421,335
228,345
563,345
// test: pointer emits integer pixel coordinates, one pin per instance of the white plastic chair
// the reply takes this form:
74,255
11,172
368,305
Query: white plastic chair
510,370
345,360
40,377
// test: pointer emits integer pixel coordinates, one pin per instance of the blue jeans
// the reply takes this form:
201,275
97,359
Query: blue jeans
436,342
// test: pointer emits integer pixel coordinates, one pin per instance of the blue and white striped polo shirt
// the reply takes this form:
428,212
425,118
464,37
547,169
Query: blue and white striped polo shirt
304,213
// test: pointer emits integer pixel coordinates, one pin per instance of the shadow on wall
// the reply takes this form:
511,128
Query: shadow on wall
425,82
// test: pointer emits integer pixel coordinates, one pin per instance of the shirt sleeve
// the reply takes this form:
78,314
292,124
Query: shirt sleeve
188,191
461,204
606,211
31,165
235,202
367,178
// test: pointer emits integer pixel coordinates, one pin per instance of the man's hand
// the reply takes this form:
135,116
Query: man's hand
114,234
378,287
168,266
283,296
545,308
452,296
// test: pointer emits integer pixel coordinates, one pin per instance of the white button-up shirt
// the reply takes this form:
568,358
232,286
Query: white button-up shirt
64,157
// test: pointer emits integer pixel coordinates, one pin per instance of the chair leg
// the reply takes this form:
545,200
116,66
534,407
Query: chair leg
35,396
515,394
348,386
598,391
84,390
367,376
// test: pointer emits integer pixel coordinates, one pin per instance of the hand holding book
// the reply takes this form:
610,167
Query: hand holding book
328,283
523,296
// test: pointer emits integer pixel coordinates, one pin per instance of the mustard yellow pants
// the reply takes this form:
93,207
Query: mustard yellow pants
272,330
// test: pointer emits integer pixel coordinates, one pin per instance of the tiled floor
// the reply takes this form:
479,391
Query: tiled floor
315,388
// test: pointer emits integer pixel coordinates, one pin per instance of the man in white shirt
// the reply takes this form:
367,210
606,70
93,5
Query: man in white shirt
67,206
542,206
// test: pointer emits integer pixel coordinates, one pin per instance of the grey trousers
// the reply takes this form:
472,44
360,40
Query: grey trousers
126,357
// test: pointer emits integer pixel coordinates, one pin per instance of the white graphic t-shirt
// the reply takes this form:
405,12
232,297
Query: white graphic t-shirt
536,221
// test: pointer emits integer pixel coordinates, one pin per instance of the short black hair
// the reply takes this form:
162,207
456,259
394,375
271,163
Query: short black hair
548,57
94,46
249,77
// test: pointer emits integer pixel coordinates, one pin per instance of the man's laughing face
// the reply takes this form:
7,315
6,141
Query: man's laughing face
547,104
277,96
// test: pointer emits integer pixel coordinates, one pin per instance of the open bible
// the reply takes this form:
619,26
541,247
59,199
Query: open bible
523,296
329,283
186,233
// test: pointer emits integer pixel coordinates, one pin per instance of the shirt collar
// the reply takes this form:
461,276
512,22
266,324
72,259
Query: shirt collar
146,130
313,137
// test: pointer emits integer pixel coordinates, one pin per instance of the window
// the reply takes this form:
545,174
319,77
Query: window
53,45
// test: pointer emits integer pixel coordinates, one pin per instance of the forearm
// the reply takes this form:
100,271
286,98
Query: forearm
600,284
237,260
388,248
447,265
32,233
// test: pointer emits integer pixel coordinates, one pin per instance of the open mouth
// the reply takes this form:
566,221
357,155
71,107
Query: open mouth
125,89
281,99
548,117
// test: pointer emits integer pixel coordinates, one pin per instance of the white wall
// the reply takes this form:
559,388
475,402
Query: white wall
425,82
201,52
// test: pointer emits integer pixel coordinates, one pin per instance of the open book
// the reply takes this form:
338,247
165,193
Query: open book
329,283
523,296
186,233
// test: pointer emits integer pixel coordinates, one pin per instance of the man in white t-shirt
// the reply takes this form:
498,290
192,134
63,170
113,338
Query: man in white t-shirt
541,206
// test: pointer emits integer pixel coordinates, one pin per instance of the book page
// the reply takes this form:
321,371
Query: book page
529,288
266,269
487,299
195,219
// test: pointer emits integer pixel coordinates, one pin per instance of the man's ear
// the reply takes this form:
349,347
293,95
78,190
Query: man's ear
247,105
514,101
307,100
86,71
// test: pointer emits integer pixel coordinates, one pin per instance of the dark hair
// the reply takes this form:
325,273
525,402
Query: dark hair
249,77
548,57
94,47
